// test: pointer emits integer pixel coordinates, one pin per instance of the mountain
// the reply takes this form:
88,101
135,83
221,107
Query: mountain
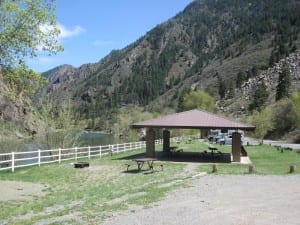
206,46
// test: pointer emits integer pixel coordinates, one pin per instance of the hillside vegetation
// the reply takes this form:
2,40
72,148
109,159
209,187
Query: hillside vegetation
228,49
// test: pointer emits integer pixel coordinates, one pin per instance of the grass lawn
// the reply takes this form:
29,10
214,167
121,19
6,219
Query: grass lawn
86,196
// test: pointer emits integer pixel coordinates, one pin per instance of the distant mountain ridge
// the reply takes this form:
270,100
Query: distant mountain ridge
207,42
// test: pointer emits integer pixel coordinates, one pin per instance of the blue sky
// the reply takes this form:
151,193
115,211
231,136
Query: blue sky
90,29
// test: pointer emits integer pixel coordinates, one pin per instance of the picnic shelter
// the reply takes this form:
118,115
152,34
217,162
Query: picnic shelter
192,119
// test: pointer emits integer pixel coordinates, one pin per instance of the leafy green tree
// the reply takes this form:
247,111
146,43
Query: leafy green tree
263,121
284,118
26,27
59,129
260,97
295,100
284,83
198,99
23,82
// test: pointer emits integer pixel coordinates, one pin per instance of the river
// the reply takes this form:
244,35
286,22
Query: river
55,140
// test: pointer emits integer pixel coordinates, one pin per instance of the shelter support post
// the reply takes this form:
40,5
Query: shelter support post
150,143
166,141
204,133
236,147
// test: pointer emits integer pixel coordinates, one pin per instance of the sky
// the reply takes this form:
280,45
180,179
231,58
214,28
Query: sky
91,29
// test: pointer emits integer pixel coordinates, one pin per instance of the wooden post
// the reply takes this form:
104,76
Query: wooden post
251,168
292,168
204,133
89,153
150,143
214,168
100,151
236,147
166,141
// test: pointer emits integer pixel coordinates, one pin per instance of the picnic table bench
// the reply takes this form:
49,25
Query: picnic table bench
141,161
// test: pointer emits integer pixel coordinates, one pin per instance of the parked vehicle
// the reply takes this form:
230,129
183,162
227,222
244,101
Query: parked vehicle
213,135
226,140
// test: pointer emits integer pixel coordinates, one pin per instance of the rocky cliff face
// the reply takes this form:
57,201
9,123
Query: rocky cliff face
271,75
18,116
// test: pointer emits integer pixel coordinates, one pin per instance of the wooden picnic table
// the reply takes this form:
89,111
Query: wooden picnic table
213,149
140,162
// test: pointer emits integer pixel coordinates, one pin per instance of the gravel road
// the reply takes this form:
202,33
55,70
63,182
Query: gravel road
226,200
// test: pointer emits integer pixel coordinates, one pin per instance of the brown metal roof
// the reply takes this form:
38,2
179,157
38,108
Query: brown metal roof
193,119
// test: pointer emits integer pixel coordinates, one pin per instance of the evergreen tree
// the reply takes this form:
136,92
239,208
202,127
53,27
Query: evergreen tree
260,97
222,87
284,83
240,79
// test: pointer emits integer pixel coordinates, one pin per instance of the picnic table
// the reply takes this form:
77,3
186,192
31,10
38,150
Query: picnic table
213,150
140,162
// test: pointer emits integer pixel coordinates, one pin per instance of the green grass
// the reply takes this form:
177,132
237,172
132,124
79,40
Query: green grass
91,189
106,186
268,160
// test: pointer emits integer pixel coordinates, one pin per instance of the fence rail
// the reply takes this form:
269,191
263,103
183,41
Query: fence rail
13,160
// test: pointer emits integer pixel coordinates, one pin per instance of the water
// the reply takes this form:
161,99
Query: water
27,145
96,139
54,141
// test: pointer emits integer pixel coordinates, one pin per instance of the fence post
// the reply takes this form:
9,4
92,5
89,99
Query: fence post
39,157
59,155
89,148
110,149
76,153
12,162
100,151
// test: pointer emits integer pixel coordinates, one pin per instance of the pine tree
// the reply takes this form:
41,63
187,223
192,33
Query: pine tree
260,97
284,83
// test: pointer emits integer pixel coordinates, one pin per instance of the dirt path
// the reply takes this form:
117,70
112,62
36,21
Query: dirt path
18,191
227,200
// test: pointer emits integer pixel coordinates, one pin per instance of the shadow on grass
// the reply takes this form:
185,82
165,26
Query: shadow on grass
184,157
144,172
196,157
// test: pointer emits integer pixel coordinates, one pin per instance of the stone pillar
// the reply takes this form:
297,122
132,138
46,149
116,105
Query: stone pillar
236,147
204,133
166,141
150,143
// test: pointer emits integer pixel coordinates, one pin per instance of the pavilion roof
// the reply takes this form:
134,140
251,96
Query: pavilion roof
193,119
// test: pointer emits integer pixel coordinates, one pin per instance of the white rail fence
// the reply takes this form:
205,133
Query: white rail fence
13,160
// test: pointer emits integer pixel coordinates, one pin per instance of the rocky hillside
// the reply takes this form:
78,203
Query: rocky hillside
244,94
208,43
17,118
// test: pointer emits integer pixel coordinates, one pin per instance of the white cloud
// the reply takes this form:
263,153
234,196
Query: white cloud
66,33
101,43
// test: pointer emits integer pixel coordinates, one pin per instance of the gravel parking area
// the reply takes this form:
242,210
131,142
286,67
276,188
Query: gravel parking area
226,200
